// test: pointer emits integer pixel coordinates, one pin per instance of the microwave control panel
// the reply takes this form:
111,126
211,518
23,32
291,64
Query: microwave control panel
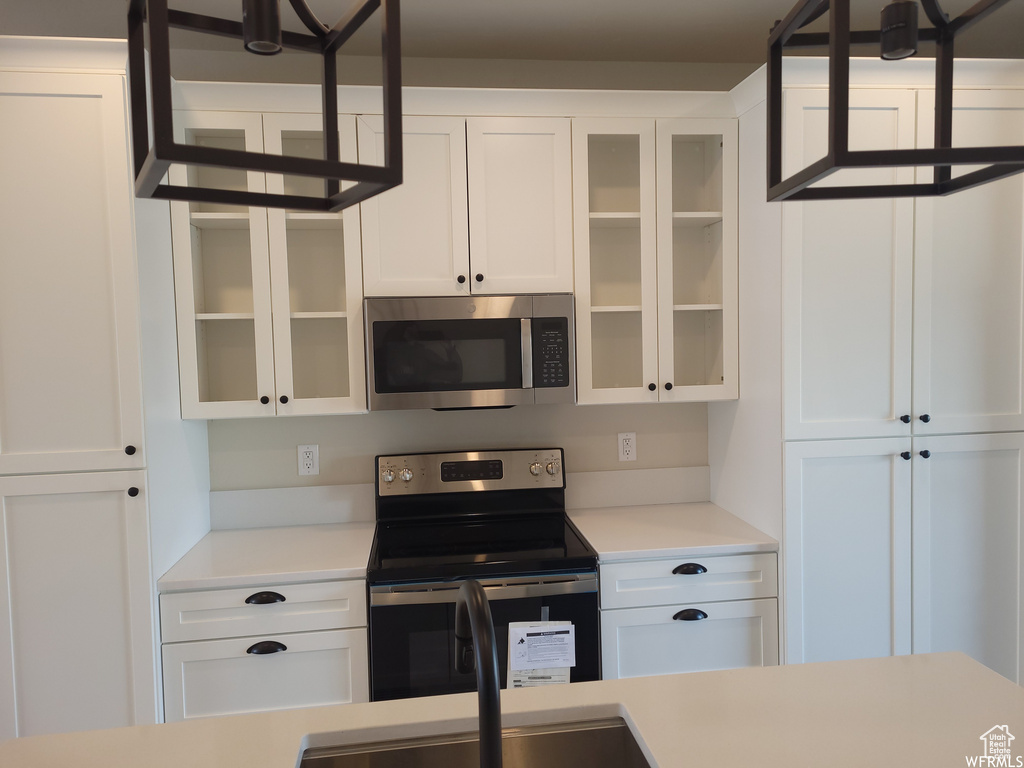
551,352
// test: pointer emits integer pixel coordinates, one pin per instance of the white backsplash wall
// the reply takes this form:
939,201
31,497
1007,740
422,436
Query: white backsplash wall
261,453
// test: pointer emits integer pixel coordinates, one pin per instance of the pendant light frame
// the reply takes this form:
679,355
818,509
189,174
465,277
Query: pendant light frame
1000,161
151,161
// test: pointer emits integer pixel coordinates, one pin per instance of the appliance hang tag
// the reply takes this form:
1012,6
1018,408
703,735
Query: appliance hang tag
540,653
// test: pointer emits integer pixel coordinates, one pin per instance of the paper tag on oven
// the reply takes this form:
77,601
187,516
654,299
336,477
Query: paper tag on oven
544,648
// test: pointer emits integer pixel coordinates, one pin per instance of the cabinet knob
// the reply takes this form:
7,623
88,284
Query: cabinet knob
652,386
479,277
284,399
668,385
130,450
690,614
689,569
926,454
266,646
264,399
264,598
905,418
905,455
460,279
133,491
925,418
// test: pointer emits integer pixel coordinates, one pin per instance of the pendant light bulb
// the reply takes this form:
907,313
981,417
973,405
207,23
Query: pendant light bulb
261,26
899,30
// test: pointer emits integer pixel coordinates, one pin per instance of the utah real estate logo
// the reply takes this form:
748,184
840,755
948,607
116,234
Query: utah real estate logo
997,750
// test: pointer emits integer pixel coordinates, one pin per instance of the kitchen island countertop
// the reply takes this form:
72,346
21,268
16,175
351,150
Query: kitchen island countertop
925,710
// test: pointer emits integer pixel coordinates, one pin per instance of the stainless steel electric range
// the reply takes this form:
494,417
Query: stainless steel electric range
495,516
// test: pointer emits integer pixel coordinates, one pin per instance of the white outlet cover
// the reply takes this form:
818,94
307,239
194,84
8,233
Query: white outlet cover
627,446
309,459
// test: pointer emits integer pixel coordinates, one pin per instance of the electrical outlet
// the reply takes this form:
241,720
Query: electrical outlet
627,446
309,459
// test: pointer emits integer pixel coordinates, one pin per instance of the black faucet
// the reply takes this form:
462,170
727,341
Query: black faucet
475,647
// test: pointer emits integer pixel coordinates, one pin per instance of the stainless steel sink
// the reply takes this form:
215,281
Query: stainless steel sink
586,744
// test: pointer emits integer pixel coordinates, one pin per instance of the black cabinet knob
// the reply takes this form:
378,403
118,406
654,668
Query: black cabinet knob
284,398
668,385
689,569
652,386
926,454
925,418
479,277
690,614
905,455
264,399
133,491
461,279
130,450
264,598
905,418
266,646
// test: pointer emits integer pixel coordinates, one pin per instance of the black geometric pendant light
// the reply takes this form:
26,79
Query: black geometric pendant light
898,37
259,32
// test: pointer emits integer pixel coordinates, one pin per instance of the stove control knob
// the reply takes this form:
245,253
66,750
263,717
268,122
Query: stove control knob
535,468
405,474
552,467
388,476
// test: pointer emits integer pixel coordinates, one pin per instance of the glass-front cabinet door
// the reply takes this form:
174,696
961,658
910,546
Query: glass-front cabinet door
655,233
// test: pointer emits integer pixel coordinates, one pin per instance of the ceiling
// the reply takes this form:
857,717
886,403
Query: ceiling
662,31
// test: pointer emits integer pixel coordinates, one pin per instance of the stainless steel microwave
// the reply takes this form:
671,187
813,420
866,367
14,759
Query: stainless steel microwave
469,351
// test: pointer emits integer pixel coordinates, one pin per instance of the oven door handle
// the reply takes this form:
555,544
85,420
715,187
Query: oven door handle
448,591
526,331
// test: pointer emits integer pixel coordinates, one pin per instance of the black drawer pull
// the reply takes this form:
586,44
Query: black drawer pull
266,646
689,569
690,614
265,598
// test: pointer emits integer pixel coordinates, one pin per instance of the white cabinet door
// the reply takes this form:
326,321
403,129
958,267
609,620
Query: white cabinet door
846,543
968,278
614,191
76,604
315,281
520,204
70,383
967,548
416,236
227,677
689,638
222,279
847,279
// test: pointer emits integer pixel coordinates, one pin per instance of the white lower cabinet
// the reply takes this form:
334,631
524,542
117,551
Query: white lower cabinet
264,648
689,614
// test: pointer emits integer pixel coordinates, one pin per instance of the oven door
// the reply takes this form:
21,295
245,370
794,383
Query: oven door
412,633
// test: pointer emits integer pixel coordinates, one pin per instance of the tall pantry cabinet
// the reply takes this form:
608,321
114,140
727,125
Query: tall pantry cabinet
77,618
903,368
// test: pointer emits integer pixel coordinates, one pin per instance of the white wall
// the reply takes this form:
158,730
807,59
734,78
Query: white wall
261,453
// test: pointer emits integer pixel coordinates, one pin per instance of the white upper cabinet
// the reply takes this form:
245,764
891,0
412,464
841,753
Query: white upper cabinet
484,207
70,383
416,236
520,204
656,259
968,271
268,301
847,278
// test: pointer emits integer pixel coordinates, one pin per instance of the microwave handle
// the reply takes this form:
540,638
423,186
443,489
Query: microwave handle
526,327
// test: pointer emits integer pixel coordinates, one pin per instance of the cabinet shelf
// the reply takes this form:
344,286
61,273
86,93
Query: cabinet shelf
616,308
696,219
224,316
615,220
697,307
314,220
232,220
317,315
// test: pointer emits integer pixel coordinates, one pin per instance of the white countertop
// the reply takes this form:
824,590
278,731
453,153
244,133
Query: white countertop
668,530
258,556
925,710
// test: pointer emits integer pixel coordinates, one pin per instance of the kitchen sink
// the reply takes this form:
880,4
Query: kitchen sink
585,744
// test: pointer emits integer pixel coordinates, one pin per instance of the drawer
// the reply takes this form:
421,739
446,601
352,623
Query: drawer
225,612
700,579
649,641
220,677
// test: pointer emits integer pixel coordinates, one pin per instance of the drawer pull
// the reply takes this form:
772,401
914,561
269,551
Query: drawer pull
690,614
264,598
266,646
690,569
